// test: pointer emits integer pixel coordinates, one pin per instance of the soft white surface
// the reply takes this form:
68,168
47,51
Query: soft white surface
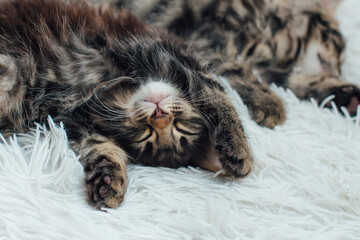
305,184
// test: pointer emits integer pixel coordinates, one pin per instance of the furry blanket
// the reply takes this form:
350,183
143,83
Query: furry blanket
305,183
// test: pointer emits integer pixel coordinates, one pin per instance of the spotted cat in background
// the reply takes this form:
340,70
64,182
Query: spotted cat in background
125,92
295,44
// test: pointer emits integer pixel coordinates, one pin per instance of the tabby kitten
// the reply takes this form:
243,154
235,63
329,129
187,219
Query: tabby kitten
295,44
125,92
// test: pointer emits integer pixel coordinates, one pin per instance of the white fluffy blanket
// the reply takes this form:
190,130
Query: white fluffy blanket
305,184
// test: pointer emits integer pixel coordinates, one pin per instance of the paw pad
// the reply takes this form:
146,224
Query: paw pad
106,183
348,97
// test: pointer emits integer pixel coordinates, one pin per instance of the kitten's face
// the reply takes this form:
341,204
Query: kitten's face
325,50
162,126
322,57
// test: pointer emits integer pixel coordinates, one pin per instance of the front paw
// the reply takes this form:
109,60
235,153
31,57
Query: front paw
347,96
106,183
268,112
236,161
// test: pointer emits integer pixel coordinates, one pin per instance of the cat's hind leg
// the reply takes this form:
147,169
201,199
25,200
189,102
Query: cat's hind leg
15,76
320,87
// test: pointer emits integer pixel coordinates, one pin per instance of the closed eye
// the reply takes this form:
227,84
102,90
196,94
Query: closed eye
146,136
184,131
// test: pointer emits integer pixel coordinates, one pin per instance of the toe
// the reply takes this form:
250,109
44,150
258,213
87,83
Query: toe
353,105
107,180
102,191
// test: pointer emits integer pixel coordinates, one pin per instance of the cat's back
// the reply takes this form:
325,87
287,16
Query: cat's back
37,24
49,49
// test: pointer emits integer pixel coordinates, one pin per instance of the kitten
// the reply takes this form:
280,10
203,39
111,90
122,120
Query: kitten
125,92
295,44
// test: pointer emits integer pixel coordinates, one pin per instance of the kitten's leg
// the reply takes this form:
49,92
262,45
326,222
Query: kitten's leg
321,86
229,137
15,74
105,169
265,107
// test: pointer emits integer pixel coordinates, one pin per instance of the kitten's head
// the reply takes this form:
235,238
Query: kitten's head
325,46
313,22
155,112
169,128
157,123
148,102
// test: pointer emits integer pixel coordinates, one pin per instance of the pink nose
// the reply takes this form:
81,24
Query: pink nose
157,98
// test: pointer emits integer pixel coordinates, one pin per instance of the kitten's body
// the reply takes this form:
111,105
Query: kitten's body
125,92
294,44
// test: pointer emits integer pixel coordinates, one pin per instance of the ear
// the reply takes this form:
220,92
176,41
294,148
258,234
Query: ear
331,5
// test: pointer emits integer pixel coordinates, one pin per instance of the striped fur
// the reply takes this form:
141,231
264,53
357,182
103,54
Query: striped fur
126,92
280,41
